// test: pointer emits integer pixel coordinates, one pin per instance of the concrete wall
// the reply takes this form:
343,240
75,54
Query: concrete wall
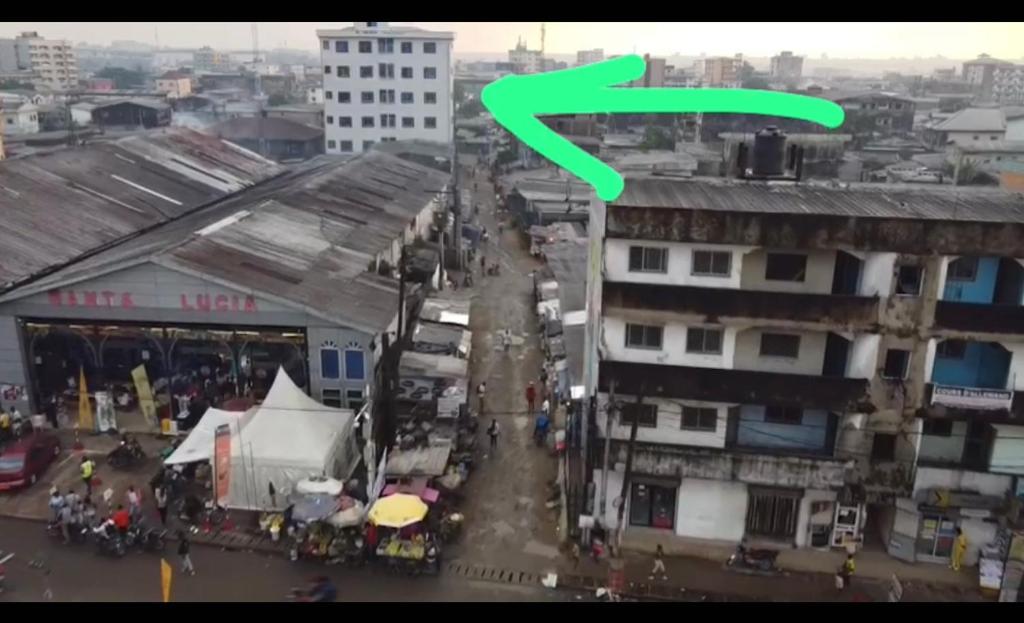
1015,129
13,375
967,139
753,431
1008,450
935,448
711,509
877,274
669,423
817,280
673,350
810,360
680,264
960,480
979,290
804,513
983,365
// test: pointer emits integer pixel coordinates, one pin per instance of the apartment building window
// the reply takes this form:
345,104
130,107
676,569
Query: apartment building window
341,47
700,418
430,73
327,44
429,47
407,72
783,415
346,146
331,144
366,97
366,47
367,122
354,398
772,513
407,97
430,122
387,96
712,263
408,122
328,95
385,46
429,97
648,260
344,97
780,345
386,71
331,398
937,428
705,341
896,363
883,447
330,363
785,267
406,47
327,69
387,121
643,336
366,71
908,280
645,415
963,269
342,71
345,122
367,145
951,349
330,120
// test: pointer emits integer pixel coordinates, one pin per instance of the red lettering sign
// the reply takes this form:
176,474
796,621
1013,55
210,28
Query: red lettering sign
184,303
234,302
126,300
203,302
220,302
250,305
54,296
108,296
72,299
200,302
90,299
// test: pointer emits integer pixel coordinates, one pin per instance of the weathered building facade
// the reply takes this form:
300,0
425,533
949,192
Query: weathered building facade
793,354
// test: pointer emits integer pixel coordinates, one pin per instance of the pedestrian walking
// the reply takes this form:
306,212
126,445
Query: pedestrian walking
134,502
87,468
845,573
959,549
483,265
575,554
481,391
493,432
506,339
531,397
184,547
51,411
56,503
545,408
160,496
659,564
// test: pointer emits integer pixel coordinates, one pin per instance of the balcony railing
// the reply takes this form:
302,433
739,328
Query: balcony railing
983,318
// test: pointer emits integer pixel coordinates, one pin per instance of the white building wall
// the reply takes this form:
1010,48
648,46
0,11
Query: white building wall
441,111
818,279
1014,129
680,264
669,429
959,480
673,350
863,362
935,448
975,139
803,521
810,360
711,509
877,273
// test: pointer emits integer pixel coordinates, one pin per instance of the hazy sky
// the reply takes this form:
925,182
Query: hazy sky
845,40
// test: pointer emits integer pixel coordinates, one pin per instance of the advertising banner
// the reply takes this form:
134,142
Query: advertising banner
222,462
146,402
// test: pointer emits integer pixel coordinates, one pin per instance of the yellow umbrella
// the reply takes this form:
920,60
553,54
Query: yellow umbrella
398,511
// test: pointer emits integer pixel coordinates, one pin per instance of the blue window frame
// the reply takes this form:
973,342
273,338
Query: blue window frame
355,369
330,363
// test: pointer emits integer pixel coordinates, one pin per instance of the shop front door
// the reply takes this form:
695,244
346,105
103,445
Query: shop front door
652,506
936,536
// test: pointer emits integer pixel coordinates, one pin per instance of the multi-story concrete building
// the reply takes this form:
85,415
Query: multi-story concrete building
654,73
788,351
52,63
525,60
786,68
722,71
385,83
980,74
1008,84
175,84
206,59
586,57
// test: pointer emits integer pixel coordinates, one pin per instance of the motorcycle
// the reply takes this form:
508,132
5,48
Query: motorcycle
756,559
108,545
451,527
145,538
126,455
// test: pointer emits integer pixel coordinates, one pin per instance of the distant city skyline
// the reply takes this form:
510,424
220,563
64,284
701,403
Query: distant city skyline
874,40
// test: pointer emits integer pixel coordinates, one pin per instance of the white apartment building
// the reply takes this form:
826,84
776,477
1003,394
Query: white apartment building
385,83
1008,84
586,57
802,362
52,61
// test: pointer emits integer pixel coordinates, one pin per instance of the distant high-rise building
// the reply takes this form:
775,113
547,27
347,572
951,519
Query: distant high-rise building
206,59
786,67
1008,84
980,74
50,63
586,57
654,74
722,71
385,83
524,60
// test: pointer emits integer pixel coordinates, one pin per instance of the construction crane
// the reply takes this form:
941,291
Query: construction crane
543,27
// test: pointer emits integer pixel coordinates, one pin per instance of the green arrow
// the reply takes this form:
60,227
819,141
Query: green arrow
515,102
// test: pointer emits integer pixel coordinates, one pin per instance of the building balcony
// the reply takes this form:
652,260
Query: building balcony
750,467
975,317
834,309
993,404
971,376
836,394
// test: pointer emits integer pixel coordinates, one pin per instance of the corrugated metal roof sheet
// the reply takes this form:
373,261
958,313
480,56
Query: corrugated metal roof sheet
307,240
853,200
975,120
61,205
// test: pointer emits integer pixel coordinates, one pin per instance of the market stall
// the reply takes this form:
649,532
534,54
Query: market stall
399,537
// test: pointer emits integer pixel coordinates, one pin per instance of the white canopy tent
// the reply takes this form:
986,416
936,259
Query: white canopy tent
198,446
286,439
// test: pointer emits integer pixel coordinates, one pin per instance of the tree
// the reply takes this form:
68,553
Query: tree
657,138
123,78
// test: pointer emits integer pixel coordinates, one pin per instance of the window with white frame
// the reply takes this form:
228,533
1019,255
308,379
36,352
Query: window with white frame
430,122
712,263
704,341
355,365
643,336
354,399
331,397
429,97
342,71
648,259
344,97
430,73
366,71
407,47
407,97
330,362
341,47
407,72
699,418
429,47
366,47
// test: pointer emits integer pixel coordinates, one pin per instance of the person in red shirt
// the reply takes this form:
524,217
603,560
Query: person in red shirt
531,397
122,519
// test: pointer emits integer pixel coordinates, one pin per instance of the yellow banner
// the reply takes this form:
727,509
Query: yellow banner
146,402
85,421
165,580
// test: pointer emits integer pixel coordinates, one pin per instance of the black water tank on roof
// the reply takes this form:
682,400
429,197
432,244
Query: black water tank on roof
769,152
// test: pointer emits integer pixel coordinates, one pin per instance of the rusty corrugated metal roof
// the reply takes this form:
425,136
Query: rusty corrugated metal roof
61,205
890,201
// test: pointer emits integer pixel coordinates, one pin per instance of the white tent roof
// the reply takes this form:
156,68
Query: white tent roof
198,446
286,439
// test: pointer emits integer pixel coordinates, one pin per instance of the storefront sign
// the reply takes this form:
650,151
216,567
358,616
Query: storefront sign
90,298
125,300
146,402
219,302
972,397
222,462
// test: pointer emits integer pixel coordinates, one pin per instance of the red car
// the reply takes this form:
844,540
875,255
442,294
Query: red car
22,461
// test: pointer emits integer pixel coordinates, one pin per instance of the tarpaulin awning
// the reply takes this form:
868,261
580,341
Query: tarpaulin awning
314,507
398,511
198,446
426,494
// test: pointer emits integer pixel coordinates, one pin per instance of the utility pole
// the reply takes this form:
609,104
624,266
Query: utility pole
456,194
401,296
629,469
607,450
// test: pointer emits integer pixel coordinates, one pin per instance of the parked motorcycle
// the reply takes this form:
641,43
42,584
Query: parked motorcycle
146,538
757,559
109,545
126,454
451,527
